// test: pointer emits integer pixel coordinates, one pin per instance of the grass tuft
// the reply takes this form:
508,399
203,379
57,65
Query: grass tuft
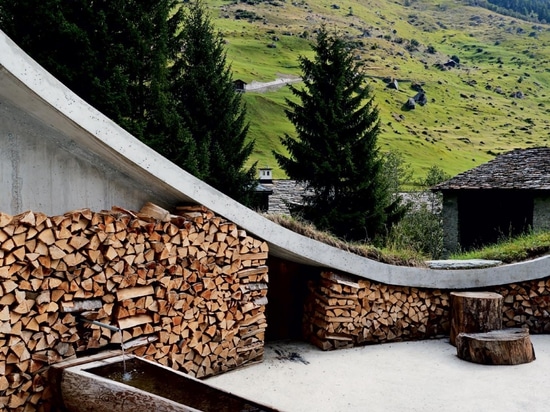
521,248
384,255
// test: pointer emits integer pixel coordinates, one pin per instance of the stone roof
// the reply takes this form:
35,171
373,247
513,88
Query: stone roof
527,169
284,191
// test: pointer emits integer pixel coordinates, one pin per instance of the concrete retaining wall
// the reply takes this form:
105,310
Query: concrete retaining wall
44,170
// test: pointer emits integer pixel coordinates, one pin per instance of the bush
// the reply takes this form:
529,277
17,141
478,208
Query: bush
421,229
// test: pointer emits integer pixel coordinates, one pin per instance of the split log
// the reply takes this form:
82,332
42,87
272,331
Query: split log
155,211
188,291
498,347
474,312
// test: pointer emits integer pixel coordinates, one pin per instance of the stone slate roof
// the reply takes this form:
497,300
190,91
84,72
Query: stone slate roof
284,191
290,191
527,169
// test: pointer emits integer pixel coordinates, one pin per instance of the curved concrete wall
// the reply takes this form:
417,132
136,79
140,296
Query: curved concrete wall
58,153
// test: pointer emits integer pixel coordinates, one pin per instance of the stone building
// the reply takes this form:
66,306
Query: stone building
505,197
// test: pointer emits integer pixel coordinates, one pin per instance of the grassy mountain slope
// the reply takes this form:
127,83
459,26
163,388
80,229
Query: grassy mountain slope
470,113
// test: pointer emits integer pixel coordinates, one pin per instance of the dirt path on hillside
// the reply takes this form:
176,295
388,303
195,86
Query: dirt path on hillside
269,86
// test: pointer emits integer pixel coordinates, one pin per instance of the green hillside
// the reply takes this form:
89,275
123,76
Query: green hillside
470,113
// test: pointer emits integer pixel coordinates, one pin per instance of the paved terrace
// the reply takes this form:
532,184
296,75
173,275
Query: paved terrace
422,376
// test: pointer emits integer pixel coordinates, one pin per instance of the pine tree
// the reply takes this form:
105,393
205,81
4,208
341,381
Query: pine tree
77,42
115,55
335,151
164,128
210,107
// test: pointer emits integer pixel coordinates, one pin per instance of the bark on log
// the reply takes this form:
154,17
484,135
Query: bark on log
474,312
499,347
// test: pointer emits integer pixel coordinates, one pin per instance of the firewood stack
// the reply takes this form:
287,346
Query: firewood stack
186,290
342,311
527,305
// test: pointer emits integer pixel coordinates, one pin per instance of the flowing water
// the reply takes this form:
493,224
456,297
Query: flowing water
126,376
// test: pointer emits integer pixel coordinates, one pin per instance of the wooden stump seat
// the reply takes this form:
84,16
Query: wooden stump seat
473,312
498,347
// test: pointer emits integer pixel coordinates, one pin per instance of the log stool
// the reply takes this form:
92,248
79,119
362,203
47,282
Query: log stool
473,312
498,347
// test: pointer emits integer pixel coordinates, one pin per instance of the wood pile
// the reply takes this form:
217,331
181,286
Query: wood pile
527,305
342,311
187,290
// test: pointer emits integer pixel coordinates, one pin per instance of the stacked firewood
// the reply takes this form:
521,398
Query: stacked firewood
526,304
187,290
342,311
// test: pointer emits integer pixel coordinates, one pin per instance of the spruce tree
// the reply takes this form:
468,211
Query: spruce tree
115,55
84,44
335,150
164,128
210,107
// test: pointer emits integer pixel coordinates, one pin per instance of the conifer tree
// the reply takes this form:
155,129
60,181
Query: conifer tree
86,45
335,149
210,107
115,55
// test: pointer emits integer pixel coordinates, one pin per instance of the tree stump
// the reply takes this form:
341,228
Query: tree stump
473,312
499,347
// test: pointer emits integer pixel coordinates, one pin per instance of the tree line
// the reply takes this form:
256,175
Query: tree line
531,10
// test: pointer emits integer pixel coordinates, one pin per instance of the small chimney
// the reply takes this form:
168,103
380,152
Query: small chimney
266,175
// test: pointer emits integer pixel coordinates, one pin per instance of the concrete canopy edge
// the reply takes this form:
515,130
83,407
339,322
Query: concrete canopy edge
28,86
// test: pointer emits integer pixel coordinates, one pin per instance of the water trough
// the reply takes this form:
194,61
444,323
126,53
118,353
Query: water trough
102,383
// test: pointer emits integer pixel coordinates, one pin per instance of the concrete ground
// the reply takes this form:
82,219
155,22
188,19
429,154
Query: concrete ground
405,376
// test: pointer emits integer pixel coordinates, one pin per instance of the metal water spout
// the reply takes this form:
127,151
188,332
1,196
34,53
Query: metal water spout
125,375
102,325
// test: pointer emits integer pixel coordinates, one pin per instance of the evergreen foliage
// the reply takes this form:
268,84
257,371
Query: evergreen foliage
335,152
113,54
155,70
532,10
211,109
165,130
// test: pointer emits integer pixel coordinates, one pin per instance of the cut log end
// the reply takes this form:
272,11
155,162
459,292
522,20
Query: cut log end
475,312
499,347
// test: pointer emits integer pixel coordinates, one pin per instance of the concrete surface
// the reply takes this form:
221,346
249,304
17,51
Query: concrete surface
59,153
462,264
405,376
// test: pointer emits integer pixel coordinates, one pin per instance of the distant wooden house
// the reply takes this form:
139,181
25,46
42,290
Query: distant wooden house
240,85
507,196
